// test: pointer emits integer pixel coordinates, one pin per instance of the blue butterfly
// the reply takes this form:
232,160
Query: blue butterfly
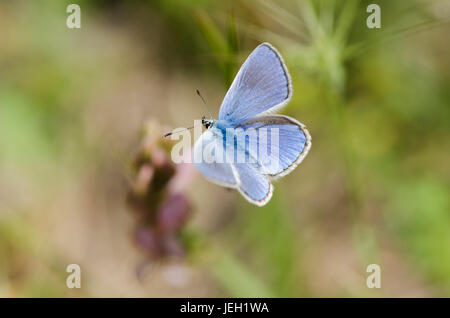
262,86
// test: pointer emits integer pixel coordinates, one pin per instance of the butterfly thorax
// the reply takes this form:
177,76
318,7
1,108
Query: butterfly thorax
223,125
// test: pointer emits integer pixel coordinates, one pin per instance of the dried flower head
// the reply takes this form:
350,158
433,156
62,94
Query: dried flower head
157,196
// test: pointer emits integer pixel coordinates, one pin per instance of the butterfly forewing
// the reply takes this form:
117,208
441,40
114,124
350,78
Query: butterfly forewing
262,84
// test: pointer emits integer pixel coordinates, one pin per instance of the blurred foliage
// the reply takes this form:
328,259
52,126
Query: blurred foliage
374,189
224,48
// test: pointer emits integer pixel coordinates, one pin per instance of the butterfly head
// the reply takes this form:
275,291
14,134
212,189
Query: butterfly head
207,122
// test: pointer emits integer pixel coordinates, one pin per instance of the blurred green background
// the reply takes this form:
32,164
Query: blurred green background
373,189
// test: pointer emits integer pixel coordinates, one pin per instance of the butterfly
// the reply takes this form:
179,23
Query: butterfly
246,126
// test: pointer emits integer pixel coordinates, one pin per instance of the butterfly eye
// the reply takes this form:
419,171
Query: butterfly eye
205,122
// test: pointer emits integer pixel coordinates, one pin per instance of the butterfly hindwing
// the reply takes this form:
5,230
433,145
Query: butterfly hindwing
253,185
281,143
244,176
217,171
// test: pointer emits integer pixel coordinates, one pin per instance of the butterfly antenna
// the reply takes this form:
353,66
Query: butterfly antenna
204,103
174,132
